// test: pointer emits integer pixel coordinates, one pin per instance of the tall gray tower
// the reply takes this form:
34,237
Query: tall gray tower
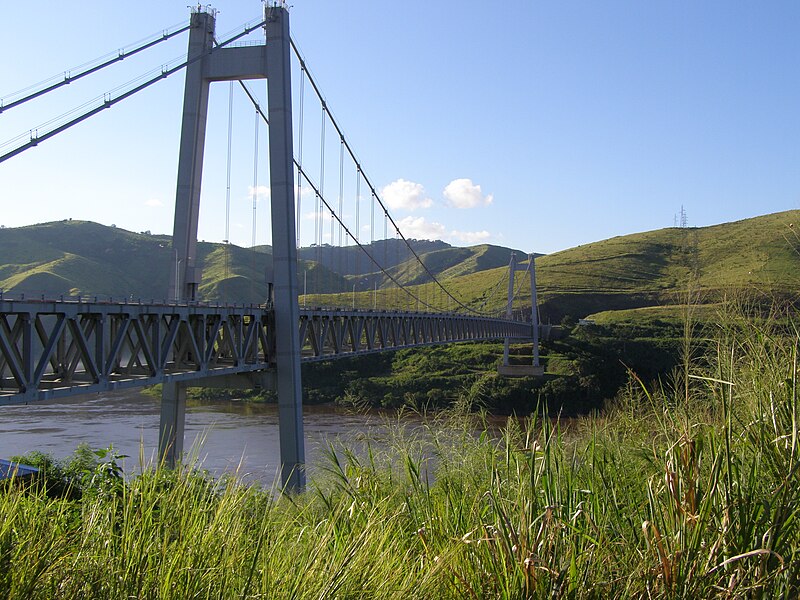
208,63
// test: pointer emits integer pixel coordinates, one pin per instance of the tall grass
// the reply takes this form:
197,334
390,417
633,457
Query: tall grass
688,490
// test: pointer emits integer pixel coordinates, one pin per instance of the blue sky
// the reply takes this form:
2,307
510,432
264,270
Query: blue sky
536,125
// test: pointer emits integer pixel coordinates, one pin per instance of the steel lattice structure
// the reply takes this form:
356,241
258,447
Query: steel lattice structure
64,348
326,334
52,349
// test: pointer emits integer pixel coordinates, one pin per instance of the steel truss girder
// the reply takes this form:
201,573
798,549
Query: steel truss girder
326,334
56,349
65,348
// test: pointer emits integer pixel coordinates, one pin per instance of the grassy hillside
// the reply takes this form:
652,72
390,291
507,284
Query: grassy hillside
85,258
80,257
653,268
449,262
350,260
623,273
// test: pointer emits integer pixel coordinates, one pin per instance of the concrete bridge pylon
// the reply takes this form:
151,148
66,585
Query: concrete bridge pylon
271,61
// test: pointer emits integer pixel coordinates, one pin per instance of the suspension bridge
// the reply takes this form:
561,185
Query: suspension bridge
53,348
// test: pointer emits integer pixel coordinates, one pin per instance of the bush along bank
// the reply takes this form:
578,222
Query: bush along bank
586,367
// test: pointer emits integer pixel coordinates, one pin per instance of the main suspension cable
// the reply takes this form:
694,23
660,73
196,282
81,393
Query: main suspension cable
69,77
322,204
492,291
108,101
350,151
350,233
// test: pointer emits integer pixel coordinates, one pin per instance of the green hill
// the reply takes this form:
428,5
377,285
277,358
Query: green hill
85,258
653,268
80,257
351,260
661,267
444,263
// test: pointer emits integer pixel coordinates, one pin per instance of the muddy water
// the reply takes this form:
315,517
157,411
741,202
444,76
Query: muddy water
226,436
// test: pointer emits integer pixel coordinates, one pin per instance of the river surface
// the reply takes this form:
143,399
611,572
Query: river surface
225,436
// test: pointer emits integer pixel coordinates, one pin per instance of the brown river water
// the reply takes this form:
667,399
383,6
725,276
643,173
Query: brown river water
225,436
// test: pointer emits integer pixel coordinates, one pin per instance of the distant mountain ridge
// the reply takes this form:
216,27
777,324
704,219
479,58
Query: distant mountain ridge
652,268
84,258
757,256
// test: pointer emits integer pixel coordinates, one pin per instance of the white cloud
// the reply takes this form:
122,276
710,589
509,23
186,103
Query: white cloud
153,203
305,192
261,192
471,237
405,195
462,193
419,228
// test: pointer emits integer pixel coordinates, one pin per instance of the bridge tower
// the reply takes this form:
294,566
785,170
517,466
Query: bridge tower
534,369
208,64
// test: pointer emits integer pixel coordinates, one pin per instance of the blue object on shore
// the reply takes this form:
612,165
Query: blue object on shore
9,469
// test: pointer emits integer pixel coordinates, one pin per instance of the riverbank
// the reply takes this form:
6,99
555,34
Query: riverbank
688,490
227,436
586,366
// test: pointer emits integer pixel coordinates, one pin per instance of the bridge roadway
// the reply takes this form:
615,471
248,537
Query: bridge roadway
66,347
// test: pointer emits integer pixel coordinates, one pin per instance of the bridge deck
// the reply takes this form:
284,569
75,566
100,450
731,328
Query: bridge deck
52,349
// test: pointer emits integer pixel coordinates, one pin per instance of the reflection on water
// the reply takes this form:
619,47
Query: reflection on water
226,435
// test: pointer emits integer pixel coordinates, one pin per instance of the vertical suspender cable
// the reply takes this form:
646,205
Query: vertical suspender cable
339,268
358,224
316,242
341,186
332,249
255,179
372,249
300,158
332,244
227,239
322,191
255,204
398,237
386,248
299,189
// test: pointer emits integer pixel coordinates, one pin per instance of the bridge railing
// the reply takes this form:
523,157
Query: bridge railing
60,348
326,333
51,349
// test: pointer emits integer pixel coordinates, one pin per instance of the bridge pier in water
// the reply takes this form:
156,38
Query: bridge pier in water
270,61
173,417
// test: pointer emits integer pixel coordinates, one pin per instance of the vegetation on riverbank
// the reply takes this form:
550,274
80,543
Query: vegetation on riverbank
586,366
684,490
